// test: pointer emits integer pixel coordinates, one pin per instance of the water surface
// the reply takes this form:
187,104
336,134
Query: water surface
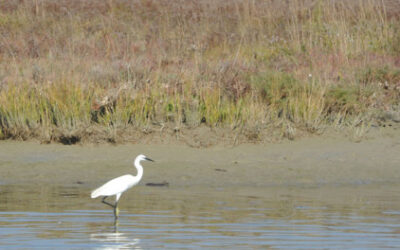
336,217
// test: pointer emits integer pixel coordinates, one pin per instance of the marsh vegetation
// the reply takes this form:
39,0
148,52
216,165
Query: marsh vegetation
119,70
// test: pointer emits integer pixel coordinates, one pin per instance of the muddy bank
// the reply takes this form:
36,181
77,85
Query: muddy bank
312,161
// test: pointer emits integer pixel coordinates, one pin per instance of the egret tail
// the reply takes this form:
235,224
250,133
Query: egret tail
95,193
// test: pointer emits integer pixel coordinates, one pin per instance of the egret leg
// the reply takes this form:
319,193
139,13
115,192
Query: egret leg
116,211
107,203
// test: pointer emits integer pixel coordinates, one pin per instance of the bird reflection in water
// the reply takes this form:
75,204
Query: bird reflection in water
115,239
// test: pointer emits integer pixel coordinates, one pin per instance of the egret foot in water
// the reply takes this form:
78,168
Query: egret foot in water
116,225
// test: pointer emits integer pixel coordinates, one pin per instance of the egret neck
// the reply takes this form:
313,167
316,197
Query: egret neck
139,169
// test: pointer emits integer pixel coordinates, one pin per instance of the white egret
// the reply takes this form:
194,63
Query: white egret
120,184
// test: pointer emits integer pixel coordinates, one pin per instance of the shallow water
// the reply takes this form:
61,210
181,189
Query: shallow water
363,216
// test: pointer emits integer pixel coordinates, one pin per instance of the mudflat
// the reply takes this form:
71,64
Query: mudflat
322,160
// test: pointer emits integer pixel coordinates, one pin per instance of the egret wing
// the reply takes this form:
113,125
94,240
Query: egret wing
114,186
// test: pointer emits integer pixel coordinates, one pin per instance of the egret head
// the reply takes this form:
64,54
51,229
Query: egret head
143,158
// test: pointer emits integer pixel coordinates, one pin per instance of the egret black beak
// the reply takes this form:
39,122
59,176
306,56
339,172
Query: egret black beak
148,159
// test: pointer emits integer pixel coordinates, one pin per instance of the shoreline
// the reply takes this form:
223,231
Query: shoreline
311,161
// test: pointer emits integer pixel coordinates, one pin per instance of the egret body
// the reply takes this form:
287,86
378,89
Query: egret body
120,184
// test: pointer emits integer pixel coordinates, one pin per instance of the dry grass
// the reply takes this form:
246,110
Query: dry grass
83,69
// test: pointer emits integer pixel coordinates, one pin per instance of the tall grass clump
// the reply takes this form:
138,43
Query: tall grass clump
117,70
